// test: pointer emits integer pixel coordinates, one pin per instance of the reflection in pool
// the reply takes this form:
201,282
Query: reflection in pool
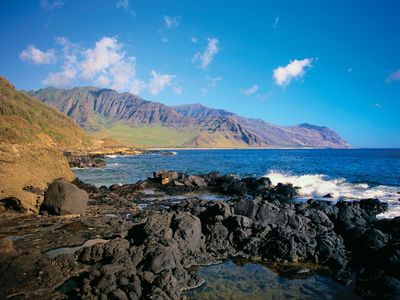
255,281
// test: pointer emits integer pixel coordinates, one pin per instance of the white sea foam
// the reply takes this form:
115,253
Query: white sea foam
318,185
111,156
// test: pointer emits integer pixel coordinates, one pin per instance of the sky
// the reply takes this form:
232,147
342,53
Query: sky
328,63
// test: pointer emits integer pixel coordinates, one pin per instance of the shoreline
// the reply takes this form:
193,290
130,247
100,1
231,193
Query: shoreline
248,148
317,231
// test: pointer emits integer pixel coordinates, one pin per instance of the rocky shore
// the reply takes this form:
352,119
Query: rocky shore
95,157
142,240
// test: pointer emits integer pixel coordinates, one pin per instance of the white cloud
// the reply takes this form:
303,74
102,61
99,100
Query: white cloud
395,76
250,91
122,75
177,90
264,96
349,70
203,91
37,56
105,54
171,21
164,40
69,68
378,105
124,4
105,65
50,5
213,81
295,69
193,40
60,79
276,22
159,81
207,56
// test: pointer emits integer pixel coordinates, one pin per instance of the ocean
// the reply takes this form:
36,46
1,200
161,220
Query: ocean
348,174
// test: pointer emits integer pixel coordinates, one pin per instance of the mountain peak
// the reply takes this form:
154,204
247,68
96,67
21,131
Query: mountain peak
194,124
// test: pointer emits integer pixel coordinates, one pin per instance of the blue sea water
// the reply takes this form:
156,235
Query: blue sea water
344,173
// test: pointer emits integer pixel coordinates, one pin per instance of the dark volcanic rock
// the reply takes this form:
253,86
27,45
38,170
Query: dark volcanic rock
149,254
89,188
62,198
85,161
373,206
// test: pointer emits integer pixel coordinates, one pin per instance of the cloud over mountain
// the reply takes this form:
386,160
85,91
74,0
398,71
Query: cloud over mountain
37,56
295,69
205,58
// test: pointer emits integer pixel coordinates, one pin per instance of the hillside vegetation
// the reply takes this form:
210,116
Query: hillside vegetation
130,119
25,119
32,137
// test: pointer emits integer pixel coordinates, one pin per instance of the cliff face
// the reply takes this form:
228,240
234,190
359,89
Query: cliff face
87,104
105,111
31,135
256,132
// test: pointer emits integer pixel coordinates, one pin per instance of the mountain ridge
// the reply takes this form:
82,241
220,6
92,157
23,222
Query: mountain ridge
100,110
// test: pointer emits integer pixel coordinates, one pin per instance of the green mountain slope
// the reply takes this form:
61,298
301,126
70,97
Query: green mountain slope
130,119
24,119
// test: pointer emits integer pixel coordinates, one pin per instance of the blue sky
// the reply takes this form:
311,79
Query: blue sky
332,63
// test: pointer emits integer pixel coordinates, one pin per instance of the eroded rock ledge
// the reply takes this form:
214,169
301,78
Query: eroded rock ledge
149,253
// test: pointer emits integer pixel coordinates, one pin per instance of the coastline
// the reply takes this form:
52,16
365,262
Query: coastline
245,148
143,241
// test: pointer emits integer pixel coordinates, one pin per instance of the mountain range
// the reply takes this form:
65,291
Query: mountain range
128,118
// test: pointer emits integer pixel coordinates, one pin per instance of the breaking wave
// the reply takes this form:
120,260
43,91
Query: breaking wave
316,186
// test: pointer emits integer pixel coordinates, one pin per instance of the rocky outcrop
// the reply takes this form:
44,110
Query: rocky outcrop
26,170
31,135
85,160
149,254
63,198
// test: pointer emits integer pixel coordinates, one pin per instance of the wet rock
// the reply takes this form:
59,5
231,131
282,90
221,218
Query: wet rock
103,189
372,284
178,183
165,177
286,190
228,184
188,184
329,195
257,186
114,187
373,206
197,181
62,198
89,188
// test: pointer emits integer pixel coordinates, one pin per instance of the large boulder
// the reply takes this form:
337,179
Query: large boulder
63,198
165,177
